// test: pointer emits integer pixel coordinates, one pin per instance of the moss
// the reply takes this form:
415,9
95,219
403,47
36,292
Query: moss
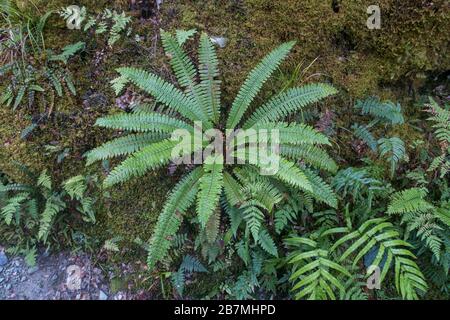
360,61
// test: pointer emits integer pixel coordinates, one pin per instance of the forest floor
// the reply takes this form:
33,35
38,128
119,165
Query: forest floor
62,276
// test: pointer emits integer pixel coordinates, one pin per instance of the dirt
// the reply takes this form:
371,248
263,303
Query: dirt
62,276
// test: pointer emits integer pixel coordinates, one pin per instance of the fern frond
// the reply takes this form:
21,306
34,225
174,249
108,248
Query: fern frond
169,221
286,103
150,157
321,191
266,242
13,206
296,134
124,146
394,150
53,206
257,77
315,275
165,93
378,233
209,71
143,122
410,200
386,111
184,35
210,188
363,133
44,180
310,155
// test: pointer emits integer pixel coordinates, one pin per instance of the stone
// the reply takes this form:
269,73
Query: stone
3,259
33,270
102,296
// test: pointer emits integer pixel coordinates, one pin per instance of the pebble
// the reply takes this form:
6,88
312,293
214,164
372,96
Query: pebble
33,270
102,295
3,259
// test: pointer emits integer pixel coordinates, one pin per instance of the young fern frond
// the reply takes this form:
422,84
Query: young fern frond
53,206
13,206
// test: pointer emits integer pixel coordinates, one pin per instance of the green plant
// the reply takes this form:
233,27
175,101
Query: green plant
109,21
32,70
441,123
149,147
37,210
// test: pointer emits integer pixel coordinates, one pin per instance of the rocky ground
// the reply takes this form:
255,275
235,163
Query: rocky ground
58,276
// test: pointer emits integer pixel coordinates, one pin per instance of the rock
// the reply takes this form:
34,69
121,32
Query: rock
1,269
3,259
73,280
8,286
102,296
1,280
33,269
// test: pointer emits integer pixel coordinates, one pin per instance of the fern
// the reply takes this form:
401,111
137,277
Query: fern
53,206
245,192
420,216
379,233
315,275
257,77
394,151
169,221
385,111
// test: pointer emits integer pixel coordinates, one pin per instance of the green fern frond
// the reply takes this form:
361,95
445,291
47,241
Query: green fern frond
184,35
169,221
410,200
266,242
321,191
255,81
363,133
315,275
286,103
150,157
310,155
143,122
295,134
44,180
13,206
378,233
53,206
394,150
210,188
209,71
124,146
165,93
386,111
